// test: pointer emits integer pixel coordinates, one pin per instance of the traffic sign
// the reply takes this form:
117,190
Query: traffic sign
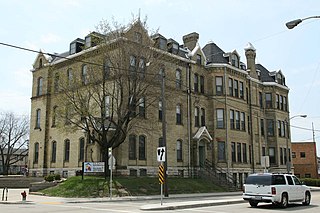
161,154
161,174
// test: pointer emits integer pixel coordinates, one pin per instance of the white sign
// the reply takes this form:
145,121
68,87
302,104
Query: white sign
93,166
265,161
161,154
112,162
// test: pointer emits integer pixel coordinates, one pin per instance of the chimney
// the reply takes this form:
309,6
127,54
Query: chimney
190,40
251,60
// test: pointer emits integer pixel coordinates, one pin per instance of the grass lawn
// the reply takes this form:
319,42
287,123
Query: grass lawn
93,186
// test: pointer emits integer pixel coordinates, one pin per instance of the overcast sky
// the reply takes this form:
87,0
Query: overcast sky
231,24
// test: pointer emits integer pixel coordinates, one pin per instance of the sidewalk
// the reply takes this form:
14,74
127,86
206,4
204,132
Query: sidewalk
170,203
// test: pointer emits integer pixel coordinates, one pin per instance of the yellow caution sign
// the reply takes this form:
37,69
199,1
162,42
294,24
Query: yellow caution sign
161,174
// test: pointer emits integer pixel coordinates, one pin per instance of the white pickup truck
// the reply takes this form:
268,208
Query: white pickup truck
279,189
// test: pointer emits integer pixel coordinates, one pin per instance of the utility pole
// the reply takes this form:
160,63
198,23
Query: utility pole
164,131
313,135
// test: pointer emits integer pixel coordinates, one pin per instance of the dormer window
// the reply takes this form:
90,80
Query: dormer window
199,61
175,48
280,79
259,74
234,60
162,43
138,37
73,48
88,41
76,46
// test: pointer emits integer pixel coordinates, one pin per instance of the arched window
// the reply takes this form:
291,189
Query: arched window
196,117
142,147
66,150
39,86
81,149
53,151
132,147
70,77
178,114
36,153
142,107
38,118
178,79
179,150
84,74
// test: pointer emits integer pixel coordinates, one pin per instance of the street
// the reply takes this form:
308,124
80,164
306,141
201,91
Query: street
134,206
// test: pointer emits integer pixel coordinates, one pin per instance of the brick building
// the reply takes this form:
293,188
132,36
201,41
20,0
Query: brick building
219,110
304,159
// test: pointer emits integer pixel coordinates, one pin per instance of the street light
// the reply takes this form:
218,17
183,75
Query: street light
294,23
288,163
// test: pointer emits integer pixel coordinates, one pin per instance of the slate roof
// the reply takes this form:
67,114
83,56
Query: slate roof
264,74
214,54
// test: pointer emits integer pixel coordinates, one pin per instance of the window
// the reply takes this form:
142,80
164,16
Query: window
263,151
196,117
220,118
230,86
36,153
285,155
81,149
260,100
56,82
84,74
237,120
133,64
281,102
289,179
201,84
179,150
277,101
262,127
107,105
196,83
178,114
221,151
232,119
178,79
272,155
203,117
270,127
142,147
142,108
234,60
138,37
233,151
38,116
39,87
268,101
281,156
54,115
279,128
66,150
142,68
285,106
160,111
219,86
132,147
293,154
73,48
198,59
88,41
302,154
307,175
283,129
40,63
70,77
162,43
242,121
241,90
236,89
239,152
244,153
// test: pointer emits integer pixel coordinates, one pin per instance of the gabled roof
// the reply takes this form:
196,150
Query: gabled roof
202,133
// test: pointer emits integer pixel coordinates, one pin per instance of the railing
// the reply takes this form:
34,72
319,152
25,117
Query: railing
5,193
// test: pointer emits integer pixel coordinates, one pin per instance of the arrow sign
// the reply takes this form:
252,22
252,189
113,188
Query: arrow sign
161,154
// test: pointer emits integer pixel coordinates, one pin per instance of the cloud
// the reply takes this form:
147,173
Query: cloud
50,38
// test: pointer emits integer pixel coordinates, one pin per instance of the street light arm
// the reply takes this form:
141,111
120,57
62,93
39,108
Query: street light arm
294,23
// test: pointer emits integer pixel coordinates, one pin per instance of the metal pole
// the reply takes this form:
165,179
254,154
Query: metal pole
313,135
287,151
110,166
164,132
189,117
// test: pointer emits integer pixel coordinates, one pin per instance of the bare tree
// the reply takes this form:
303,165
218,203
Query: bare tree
14,134
119,80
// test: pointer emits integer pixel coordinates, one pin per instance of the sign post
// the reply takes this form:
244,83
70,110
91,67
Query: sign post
161,156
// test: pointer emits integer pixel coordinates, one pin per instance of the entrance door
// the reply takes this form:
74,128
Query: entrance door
202,155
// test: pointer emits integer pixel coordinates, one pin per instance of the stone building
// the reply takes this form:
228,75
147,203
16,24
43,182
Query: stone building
219,110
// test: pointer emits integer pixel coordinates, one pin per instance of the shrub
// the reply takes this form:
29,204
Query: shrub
57,177
49,178
311,181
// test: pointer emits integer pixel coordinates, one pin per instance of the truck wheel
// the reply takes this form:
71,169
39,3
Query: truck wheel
253,203
307,199
284,201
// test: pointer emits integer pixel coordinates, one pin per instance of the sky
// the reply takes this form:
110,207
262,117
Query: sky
52,24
